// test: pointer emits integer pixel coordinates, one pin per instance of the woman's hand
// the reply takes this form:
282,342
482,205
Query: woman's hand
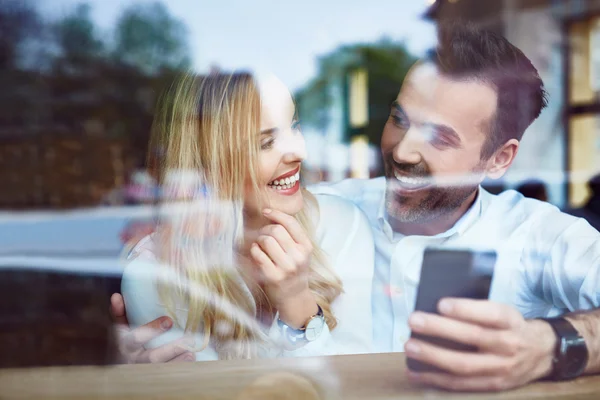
283,254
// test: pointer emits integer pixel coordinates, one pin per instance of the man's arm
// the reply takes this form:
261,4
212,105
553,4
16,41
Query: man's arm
513,351
587,324
131,341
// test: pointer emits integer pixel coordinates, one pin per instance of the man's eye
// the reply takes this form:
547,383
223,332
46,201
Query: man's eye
439,143
401,122
267,144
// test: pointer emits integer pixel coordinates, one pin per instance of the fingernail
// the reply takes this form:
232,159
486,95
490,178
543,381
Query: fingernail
166,324
267,211
411,347
445,306
190,357
416,321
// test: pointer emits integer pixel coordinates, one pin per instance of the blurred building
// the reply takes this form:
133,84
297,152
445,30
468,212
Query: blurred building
562,38
60,170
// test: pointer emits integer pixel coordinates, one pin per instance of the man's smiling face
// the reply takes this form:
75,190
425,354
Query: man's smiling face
432,144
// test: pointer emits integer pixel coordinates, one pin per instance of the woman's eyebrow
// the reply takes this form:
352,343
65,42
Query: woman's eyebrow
269,131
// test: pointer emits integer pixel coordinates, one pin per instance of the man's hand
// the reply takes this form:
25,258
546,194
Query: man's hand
131,341
511,352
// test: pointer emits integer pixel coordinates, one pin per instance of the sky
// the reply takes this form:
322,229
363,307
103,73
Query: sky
281,36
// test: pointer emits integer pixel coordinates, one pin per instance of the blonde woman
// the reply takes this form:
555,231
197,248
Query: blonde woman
247,263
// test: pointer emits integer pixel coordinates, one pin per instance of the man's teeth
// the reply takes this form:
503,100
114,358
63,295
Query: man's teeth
410,181
286,183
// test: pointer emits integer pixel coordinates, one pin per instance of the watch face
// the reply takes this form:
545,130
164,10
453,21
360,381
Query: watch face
314,328
575,357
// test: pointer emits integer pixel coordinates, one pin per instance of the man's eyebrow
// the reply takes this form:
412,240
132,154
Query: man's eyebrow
449,133
397,106
445,130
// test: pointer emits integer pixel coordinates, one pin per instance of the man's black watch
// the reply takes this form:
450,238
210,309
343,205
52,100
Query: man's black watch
571,354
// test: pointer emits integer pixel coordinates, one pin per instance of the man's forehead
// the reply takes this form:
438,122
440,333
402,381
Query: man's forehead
462,103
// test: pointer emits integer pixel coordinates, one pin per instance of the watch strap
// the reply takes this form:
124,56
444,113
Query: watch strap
566,336
294,335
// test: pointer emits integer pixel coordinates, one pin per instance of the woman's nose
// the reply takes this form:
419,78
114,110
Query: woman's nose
293,147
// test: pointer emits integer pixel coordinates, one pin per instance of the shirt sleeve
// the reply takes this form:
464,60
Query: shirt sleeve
345,236
570,265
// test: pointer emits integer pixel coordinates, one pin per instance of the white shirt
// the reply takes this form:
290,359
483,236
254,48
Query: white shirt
548,262
343,234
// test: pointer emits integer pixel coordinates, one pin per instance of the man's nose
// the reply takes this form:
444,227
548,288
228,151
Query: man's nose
408,150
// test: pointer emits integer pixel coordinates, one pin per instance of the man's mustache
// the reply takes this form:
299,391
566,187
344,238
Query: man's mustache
415,170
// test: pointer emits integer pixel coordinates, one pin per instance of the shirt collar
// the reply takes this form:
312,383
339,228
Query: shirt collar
459,228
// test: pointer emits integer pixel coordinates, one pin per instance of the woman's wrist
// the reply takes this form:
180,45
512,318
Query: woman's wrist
296,311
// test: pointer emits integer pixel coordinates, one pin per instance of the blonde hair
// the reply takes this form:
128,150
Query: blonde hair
209,126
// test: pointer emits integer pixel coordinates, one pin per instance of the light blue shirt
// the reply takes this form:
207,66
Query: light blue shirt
548,262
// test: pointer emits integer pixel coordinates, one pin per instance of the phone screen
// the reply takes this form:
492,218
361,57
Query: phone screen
451,273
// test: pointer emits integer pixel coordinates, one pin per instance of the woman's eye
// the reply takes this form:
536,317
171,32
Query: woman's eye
267,144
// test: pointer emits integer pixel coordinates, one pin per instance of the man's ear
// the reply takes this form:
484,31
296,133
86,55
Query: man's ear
502,159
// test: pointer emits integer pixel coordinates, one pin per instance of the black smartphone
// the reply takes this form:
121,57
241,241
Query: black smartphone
451,273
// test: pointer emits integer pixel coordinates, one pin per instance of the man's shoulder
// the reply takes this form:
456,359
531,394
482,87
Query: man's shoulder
362,192
513,208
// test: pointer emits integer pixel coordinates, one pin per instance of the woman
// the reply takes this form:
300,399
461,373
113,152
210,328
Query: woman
236,261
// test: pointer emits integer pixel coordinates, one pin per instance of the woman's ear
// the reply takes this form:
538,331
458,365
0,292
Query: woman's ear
502,159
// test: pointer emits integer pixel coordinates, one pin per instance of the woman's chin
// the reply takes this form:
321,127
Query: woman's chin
290,205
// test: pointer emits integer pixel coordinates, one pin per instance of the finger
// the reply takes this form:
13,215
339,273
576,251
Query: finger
290,224
268,269
456,362
117,309
279,233
185,357
463,384
137,338
481,312
490,340
168,352
273,250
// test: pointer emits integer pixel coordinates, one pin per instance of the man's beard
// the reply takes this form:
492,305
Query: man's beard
433,203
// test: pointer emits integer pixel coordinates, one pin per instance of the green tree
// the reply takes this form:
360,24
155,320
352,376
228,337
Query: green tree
19,22
77,35
150,39
386,62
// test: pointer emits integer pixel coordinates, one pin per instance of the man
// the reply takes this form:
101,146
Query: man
458,118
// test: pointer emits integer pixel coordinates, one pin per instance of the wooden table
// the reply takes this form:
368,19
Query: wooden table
378,376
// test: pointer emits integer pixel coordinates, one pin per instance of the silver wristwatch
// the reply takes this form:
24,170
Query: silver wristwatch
308,333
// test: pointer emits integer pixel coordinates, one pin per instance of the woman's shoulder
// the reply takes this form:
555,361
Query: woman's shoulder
344,235
341,225
337,213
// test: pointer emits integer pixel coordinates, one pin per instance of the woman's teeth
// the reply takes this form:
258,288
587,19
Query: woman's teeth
286,183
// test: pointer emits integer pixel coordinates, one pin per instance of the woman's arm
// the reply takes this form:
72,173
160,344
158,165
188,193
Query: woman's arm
346,238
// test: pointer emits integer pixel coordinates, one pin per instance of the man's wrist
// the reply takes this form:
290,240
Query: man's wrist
547,343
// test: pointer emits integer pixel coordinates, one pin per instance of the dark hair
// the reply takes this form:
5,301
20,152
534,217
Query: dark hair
533,189
465,52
